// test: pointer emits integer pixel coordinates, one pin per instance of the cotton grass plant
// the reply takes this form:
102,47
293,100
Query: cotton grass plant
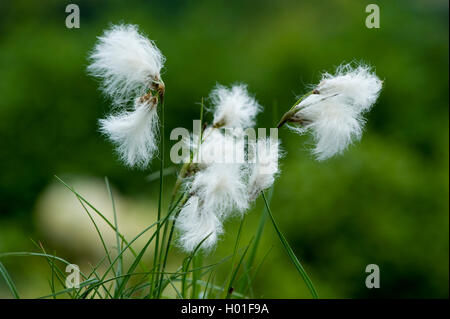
209,189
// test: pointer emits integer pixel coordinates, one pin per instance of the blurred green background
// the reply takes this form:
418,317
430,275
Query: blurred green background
384,202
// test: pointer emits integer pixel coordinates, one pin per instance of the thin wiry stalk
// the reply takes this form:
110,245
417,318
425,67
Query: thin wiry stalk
255,273
9,281
262,222
161,188
141,254
251,256
82,285
97,212
205,292
118,243
97,230
236,245
186,264
94,272
59,273
128,245
174,288
169,241
291,253
236,270
195,275
27,254
201,125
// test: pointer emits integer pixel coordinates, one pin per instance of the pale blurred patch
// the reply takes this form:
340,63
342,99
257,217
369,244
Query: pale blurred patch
64,223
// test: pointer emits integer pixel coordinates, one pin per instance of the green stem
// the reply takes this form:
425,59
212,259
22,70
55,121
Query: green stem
262,222
201,125
184,169
120,261
197,264
179,203
161,183
186,166
291,253
9,281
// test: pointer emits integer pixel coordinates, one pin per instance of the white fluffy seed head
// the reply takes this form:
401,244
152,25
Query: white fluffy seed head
195,224
221,189
265,155
134,133
333,124
234,107
219,186
359,86
334,116
216,192
126,61
217,147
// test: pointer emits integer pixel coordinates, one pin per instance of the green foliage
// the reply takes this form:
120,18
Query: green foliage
151,282
385,201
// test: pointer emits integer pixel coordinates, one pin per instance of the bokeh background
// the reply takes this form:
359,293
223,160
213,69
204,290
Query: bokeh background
384,202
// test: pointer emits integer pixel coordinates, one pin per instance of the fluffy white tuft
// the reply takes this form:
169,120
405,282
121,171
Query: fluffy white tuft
216,192
134,133
219,185
234,107
221,189
334,116
217,148
359,86
266,153
333,125
126,61
195,224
